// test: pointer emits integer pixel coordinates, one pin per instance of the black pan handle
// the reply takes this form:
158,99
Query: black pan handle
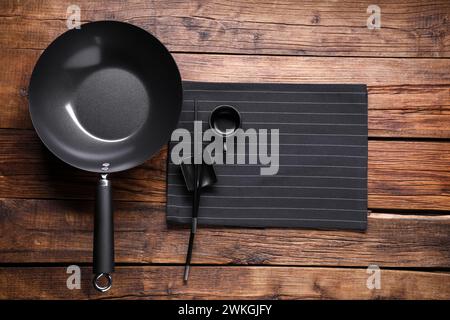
103,236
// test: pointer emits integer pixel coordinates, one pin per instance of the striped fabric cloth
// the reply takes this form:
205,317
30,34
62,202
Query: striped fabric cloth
322,176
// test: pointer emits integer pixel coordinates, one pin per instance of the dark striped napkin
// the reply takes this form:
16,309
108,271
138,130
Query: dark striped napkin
322,177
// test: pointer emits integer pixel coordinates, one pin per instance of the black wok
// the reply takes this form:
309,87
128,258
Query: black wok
105,98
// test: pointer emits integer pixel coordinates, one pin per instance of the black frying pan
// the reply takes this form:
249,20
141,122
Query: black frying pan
105,98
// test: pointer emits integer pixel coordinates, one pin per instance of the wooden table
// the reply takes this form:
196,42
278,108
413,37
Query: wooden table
46,208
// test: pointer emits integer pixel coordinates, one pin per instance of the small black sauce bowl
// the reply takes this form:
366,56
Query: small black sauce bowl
225,120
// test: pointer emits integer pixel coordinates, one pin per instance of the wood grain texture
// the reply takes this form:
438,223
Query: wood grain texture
46,207
407,97
402,175
409,175
418,28
154,282
410,111
370,71
57,231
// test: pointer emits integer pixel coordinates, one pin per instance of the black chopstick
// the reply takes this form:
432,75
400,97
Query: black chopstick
195,206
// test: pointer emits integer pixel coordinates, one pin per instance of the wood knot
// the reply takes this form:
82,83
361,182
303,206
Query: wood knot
319,290
169,290
316,18
23,92
204,35
256,259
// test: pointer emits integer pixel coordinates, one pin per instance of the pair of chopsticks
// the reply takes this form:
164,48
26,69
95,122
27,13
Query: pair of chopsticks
195,205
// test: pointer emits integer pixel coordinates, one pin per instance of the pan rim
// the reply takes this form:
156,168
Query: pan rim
129,164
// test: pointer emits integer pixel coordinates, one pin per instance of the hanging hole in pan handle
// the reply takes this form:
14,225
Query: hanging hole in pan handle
102,282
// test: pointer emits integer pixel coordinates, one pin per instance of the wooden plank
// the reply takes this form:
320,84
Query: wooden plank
409,175
417,28
29,170
56,231
157,282
413,101
371,71
409,111
402,175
